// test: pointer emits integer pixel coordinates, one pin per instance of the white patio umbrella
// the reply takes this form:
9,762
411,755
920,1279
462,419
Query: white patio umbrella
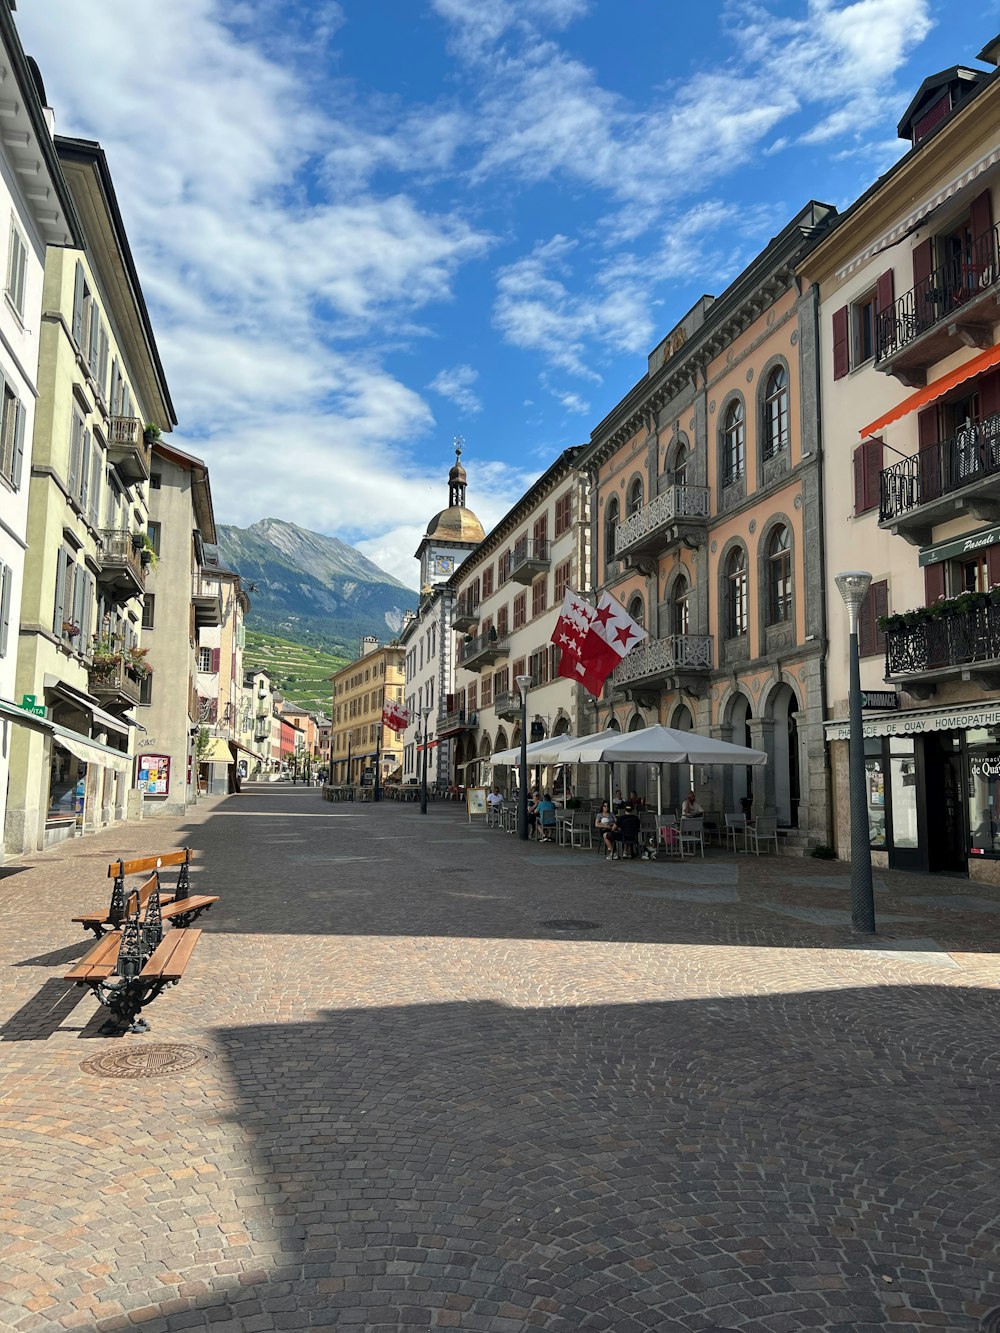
662,745
513,755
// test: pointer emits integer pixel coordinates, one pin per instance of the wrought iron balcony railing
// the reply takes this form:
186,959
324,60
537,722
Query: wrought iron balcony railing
121,561
940,643
115,683
954,285
529,558
971,454
466,612
482,650
661,657
128,449
651,525
455,721
507,704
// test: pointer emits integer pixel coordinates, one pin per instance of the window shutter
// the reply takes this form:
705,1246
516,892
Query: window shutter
873,472
87,609
60,597
923,266
859,480
884,291
981,220
993,564
95,486
74,454
841,343
989,394
878,597
78,291
18,446
8,577
216,659
84,493
102,361
116,382
934,582
930,455
885,312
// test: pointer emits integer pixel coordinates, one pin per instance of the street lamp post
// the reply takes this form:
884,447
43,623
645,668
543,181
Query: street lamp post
523,682
853,587
425,713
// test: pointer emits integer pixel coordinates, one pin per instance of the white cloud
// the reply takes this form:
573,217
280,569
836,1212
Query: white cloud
455,384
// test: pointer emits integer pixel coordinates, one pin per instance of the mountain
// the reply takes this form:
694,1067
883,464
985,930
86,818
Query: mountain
313,589
301,672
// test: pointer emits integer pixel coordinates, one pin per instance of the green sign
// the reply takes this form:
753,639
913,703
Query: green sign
972,541
29,705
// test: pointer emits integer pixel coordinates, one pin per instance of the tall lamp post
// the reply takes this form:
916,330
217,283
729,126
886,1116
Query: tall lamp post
853,586
523,683
425,713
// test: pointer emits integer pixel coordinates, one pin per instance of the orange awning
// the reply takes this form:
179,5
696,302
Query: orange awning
932,392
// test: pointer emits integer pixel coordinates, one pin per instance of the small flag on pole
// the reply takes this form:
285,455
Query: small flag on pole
593,640
395,716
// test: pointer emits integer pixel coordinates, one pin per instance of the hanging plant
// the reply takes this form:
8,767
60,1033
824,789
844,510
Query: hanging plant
135,661
105,656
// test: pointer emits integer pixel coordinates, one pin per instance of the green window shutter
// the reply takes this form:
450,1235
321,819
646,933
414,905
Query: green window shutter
84,492
75,449
60,598
8,579
95,486
102,361
78,294
18,445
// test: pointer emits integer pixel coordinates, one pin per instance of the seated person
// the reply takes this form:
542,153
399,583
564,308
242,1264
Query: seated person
533,799
627,832
494,800
618,804
691,809
604,822
545,812
635,801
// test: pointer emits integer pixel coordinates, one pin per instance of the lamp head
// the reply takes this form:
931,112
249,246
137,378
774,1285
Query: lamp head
425,713
853,586
523,682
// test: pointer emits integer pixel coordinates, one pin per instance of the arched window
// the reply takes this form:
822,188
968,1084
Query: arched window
776,412
679,609
637,610
733,443
779,576
681,460
610,523
634,502
736,594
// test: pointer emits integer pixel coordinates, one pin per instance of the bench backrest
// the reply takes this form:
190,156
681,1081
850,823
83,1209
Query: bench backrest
138,898
143,864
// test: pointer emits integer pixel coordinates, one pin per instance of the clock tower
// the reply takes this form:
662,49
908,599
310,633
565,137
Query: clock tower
451,534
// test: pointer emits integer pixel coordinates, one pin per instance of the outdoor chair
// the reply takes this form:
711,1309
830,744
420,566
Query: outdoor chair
736,827
670,835
762,831
692,835
564,825
713,827
581,831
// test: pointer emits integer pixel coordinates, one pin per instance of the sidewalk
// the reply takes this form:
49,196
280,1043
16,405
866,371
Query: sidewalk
413,1100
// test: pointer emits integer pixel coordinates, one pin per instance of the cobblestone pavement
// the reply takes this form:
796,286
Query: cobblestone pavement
420,1107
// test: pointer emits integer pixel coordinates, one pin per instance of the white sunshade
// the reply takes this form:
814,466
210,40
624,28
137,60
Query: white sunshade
660,745
564,749
513,755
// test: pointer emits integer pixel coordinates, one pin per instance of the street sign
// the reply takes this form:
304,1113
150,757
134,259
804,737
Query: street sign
881,699
29,705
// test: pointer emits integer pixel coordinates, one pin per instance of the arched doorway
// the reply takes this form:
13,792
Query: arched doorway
479,772
783,707
739,780
679,776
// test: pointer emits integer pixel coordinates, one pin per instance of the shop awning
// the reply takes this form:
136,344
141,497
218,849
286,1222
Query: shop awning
17,714
932,392
91,752
917,722
216,751
106,721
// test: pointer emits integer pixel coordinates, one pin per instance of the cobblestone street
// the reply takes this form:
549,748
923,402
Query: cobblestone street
416,1104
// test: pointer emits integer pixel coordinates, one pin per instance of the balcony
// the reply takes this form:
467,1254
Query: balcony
676,517
206,598
482,651
953,307
657,662
127,448
466,613
962,643
958,475
507,705
122,570
261,733
456,721
529,559
114,684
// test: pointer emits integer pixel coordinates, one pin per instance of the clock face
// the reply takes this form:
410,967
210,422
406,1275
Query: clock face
442,564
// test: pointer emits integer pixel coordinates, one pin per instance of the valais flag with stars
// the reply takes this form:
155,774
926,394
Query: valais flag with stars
395,716
593,640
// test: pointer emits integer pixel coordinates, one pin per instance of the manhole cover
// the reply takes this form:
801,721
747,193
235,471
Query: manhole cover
144,1061
569,923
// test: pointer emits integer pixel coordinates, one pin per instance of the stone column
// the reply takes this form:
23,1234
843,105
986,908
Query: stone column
762,738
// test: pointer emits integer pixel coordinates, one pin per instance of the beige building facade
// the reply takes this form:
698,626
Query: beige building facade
909,284
361,745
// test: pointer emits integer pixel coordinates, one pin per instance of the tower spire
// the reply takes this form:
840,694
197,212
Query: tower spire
457,478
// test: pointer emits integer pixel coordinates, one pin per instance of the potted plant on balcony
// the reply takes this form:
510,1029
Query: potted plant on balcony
136,664
151,432
147,552
105,657
70,629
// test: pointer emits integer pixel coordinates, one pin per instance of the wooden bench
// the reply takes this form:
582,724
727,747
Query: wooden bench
180,907
124,983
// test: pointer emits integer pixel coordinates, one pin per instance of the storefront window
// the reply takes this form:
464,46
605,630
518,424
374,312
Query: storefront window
984,792
875,784
903,786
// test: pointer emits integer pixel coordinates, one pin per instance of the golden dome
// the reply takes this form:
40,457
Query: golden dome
456,524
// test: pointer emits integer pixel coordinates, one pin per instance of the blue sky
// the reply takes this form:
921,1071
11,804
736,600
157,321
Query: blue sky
365,227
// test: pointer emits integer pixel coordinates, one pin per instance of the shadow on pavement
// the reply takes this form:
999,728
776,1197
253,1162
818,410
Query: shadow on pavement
821,1161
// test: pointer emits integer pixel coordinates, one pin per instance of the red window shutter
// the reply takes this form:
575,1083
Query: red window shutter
884,292
927,427
923,265
981,216
878,598
216,658
930,455
989,394
841,343
933,582
866,627
993,564
859,480
873,472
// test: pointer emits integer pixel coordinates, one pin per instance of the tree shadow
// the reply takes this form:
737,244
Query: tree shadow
821,1160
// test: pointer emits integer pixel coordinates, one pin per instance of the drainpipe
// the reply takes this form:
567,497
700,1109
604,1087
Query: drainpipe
821,488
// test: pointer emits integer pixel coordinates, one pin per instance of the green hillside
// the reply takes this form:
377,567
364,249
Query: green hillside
301,674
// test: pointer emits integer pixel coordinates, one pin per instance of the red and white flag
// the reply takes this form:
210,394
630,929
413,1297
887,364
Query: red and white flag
593,640
395,716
